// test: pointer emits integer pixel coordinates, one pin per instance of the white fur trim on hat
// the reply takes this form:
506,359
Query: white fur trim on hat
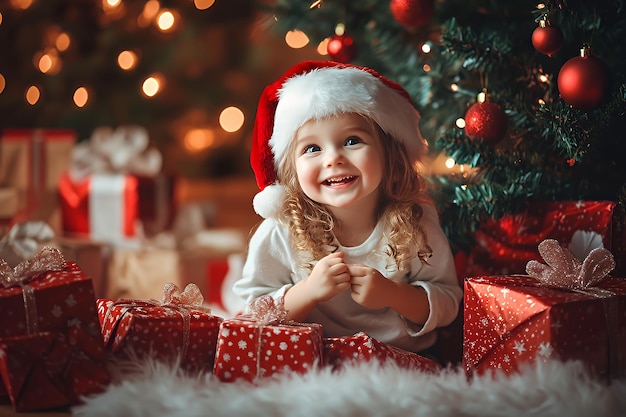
328,91
269,201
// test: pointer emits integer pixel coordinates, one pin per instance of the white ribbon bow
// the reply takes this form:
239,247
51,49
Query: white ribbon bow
124,150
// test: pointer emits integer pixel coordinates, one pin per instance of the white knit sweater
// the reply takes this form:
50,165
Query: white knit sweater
271,268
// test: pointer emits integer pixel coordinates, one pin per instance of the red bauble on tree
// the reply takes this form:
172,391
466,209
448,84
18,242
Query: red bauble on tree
582,81
486,121
342,48
412,13
547,39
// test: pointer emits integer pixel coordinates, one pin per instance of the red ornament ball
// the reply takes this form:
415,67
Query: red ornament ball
486,121
547,39
342,48
582,82
412,13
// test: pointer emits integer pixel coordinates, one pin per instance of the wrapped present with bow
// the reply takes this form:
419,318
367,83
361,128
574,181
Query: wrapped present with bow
46,294
564,309
505,245
264,342
360,347
114,189
178,329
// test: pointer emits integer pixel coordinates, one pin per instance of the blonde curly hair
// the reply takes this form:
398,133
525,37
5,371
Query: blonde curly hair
403,191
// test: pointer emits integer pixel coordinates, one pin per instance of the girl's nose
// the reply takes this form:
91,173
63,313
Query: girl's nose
333,156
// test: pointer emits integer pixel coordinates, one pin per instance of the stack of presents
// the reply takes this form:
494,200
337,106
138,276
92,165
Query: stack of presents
85,225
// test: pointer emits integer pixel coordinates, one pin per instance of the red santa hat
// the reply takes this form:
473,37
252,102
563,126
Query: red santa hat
313,90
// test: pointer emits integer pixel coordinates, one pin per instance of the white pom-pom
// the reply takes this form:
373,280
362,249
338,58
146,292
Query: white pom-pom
268,203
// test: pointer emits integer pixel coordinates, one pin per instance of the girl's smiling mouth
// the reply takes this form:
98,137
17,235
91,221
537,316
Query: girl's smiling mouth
336,181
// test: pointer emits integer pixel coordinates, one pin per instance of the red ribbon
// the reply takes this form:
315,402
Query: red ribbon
48,259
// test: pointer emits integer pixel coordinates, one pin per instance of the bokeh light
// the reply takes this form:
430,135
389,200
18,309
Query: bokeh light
203,4
296,39
32,95
197,140
81,96
231,119
152,85
127,60
166,20
62,42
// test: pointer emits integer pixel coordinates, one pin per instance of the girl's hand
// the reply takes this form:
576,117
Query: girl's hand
370,288
329,277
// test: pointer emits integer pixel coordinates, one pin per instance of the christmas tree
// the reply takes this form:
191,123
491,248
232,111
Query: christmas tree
520,101
171,67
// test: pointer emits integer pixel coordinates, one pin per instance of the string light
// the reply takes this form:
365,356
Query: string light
426,48
450,163
32,95
127,60
152,85
81,96
231,119
203,4
166,20
460,123
340,29
45,63
62,42
322,47
296,39
150,11
21,4
200,139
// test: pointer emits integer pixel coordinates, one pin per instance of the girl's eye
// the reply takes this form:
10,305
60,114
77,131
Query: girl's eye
352,140
311,149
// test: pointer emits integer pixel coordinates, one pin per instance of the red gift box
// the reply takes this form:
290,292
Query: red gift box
101,206
179,327
513,320
46,294
49,370
250,350
342,351
504,246
56,299
264,342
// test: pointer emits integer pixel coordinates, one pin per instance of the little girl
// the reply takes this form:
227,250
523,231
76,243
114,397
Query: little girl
349,239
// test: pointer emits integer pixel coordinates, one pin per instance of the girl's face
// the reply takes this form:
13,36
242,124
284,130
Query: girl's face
339,161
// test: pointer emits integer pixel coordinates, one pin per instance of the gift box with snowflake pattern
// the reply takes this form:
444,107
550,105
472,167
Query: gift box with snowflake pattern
56,300
170,330
513,320
343,351
248,349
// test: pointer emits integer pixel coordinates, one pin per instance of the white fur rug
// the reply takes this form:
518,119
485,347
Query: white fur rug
367,390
